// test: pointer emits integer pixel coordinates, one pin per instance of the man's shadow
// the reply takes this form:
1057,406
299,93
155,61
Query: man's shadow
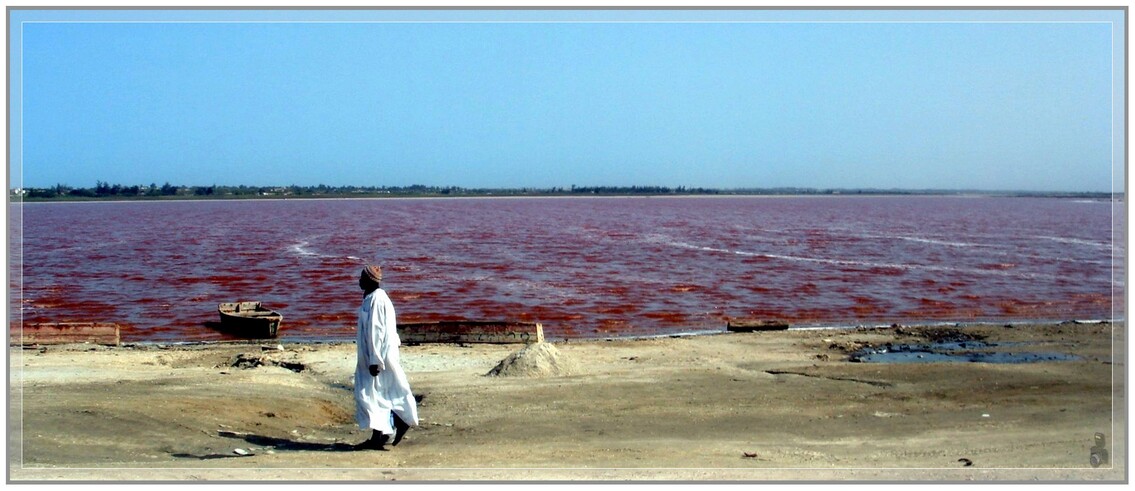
272,443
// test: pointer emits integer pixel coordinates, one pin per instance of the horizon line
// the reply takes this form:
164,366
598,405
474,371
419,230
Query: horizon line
569,188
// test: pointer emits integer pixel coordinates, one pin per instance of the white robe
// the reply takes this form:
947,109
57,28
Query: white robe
377,344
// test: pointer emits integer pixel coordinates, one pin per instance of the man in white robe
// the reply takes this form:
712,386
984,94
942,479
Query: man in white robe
383,400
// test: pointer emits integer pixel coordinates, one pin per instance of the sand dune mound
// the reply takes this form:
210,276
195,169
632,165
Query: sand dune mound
535,360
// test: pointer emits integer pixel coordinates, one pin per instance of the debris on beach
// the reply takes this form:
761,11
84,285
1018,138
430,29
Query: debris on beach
848,346
938,334
535,360
245,360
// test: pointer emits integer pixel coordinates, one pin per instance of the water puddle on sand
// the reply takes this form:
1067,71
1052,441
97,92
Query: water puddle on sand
954,351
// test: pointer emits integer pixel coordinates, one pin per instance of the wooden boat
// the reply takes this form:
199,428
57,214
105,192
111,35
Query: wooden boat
493,332
249,319
755,325
42,333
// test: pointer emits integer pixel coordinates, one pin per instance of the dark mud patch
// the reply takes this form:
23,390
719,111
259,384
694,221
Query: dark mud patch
956,351
245,360
939,334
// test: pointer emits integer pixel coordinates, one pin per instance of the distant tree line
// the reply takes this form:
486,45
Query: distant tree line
167,190
641,190
105,190
102,190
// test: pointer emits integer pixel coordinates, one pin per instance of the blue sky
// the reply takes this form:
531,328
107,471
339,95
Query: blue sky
998,100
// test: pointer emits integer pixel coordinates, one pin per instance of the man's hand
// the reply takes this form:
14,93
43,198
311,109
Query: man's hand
373,370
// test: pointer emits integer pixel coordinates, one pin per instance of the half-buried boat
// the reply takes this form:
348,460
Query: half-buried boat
249,319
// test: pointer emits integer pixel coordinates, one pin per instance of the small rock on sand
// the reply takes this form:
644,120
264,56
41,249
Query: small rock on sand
535,360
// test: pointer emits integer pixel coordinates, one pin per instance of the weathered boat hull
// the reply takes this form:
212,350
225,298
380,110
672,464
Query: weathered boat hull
104,333
494,332
753,326
249,319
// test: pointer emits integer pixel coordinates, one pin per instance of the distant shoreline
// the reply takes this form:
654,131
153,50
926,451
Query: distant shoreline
520,194
827,327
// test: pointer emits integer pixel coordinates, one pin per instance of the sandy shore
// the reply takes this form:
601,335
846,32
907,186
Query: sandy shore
786,405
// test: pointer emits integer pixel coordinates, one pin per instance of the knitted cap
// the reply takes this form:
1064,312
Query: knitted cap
373,272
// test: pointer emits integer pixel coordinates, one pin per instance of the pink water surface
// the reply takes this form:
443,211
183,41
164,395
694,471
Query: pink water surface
583,267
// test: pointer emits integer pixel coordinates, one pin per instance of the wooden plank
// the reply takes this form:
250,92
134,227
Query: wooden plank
471,332
755,325
106,333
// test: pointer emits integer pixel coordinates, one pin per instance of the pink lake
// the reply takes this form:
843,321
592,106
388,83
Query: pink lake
583,267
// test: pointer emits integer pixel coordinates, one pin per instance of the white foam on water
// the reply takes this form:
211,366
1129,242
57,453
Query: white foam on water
1074,241
543,289
853,263
925,240
1012,251
301,249
944,242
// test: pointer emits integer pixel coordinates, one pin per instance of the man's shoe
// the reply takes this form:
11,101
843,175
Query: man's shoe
400,428
376,442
